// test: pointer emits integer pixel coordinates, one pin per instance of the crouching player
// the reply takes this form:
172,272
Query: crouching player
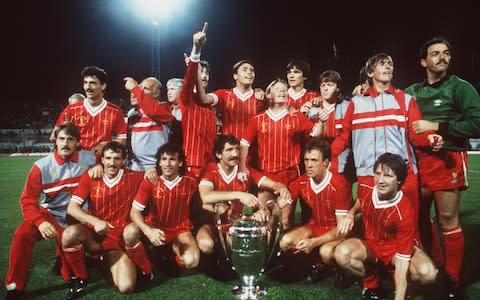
166,204
222,192
56,176
329,197
109,199
390,228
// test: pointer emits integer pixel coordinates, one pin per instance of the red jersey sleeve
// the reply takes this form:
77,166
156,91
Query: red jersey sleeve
294,188
29,199
82,192
159,112
142,197
250,132
414,114
189,79
65,117
119,128
343,138
343,196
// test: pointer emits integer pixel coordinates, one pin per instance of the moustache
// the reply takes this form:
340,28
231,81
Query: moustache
442,61
234,158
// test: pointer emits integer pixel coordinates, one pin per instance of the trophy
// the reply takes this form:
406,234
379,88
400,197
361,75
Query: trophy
248,246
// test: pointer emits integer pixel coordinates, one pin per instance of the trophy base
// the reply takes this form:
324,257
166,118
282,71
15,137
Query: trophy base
249,292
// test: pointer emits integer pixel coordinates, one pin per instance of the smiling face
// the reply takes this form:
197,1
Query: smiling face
169,165
93,88
245,75
386,182
112,162
229,157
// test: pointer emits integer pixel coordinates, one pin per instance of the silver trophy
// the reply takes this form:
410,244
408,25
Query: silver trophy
249,245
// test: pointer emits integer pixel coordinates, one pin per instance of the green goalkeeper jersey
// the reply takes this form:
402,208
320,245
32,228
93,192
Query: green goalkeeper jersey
455,105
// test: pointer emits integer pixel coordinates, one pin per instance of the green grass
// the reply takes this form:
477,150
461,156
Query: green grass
43,285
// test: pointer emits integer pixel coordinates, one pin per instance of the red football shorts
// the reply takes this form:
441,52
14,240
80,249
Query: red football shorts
443,170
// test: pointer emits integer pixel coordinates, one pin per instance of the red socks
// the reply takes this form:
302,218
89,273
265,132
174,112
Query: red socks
75,256
139,256
454,246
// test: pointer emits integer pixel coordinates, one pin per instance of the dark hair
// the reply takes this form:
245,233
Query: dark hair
95,72
331,76
373,61
69,129
171,149
394,162
220,142
321,145
205,64
238,64
301,65
115,147
436,40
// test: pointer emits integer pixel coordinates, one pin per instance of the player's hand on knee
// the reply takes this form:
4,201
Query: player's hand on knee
47,230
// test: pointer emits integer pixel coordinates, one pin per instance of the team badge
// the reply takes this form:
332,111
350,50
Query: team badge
105,122
288,126
263,127
157,192
81,121
97,192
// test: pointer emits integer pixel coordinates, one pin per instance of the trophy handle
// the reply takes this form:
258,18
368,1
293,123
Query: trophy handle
220,233
274,228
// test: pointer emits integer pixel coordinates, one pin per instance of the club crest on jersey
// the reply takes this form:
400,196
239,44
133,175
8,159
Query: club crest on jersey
263,127
288,126
105,122
97,192
157,192
81,121
437,102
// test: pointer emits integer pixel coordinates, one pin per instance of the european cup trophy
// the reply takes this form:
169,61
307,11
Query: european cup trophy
249,245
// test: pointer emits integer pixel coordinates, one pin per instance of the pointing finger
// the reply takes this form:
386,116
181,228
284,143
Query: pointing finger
205,27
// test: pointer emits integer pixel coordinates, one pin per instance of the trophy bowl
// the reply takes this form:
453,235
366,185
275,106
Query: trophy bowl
249,245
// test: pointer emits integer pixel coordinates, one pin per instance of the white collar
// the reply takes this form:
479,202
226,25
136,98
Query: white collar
385,203
317,188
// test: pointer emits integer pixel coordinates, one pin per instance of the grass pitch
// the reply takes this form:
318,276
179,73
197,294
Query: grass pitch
43,285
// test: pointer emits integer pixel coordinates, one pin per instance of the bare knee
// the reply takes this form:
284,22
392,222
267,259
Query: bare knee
342,254
126,285
131,235
191,259
206,245
424,273
70,235
286,242
326,253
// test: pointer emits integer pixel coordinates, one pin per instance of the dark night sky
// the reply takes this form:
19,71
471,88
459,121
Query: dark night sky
49,42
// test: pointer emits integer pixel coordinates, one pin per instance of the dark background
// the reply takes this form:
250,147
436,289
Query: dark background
47,43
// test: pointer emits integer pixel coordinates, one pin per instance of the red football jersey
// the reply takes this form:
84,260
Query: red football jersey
236,109
329,198
167,202
109,199
296,100
199,124
96,124
389,224
279,137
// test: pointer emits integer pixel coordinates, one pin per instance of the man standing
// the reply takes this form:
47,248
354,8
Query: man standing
451,107
56,176
149,122
297,73
98,120
101,228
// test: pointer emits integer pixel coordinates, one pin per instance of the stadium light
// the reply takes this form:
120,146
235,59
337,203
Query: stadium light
157,13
